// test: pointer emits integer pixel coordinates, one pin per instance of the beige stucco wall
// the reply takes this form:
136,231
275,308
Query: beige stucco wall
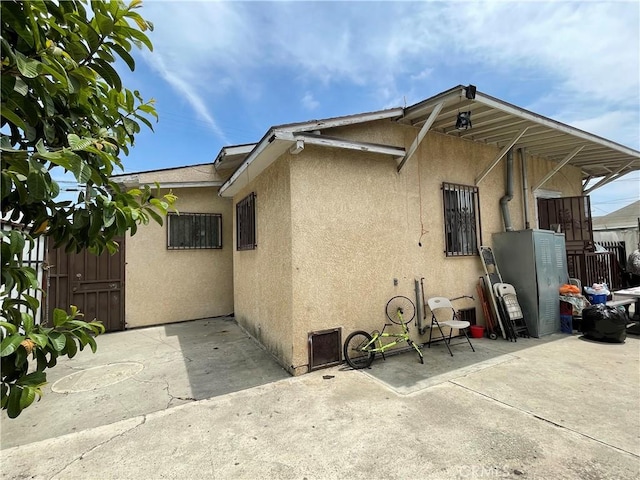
355,226
164,286
262,277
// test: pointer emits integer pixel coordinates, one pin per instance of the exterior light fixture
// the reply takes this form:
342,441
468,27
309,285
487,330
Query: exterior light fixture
470,92
463,121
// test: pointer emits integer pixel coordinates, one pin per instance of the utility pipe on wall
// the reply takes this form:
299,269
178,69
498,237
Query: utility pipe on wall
525,187
508,193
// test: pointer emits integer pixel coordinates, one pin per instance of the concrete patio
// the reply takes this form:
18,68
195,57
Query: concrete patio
208,403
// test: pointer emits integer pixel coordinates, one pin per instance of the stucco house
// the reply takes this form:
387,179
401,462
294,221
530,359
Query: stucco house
189,259
623,225
317,225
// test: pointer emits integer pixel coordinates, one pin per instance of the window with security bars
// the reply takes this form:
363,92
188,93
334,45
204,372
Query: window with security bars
461,219
194,231
246,223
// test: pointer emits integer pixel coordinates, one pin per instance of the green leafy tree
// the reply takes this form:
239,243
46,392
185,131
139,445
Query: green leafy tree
64,109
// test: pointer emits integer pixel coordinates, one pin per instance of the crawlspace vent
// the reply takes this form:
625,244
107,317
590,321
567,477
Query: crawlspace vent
324,348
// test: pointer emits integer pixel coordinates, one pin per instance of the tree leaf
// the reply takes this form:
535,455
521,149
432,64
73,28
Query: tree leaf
39,338
59,317
21,87
9,344
12,117
13,404
34,379
77,143
28,67
85,173
16,242
37,186
58,341
27,397
124,55
27,323
108,73
10,327
71,347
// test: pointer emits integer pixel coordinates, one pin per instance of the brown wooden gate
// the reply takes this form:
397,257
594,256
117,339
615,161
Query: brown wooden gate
572,216
95,284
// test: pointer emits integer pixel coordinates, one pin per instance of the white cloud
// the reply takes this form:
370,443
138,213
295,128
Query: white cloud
192,96
582,55
423,75
309,102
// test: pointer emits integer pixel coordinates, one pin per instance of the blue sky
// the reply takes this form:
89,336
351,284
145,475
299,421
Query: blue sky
224,72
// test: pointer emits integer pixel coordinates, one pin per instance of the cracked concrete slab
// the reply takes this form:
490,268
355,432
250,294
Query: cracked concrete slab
137,372
345,425
509,418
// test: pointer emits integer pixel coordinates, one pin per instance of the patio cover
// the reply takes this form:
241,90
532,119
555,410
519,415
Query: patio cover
493,122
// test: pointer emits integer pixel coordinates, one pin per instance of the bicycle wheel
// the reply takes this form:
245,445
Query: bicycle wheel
353,353
400,310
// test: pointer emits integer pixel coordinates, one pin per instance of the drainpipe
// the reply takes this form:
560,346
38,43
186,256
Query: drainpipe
525,187
508,195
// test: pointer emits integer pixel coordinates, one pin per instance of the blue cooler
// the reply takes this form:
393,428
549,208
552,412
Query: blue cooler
594,299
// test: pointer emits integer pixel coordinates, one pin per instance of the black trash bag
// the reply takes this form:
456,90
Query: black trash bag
605,324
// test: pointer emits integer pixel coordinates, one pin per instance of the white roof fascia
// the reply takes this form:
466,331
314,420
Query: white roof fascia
418,110
341,121
268,142
333,142
133,181
233,150
216,183
539,119
278,141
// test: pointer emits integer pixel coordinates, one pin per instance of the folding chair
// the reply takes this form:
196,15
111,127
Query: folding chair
511,311
444,306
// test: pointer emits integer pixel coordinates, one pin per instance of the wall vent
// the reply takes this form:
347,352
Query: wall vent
325,348
468,315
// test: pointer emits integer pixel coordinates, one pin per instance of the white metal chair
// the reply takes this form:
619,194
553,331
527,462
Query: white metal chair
442,306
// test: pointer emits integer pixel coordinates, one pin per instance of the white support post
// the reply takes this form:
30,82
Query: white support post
557,168
421,134
502,153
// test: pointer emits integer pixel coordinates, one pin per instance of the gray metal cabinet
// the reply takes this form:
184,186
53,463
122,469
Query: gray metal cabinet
534,262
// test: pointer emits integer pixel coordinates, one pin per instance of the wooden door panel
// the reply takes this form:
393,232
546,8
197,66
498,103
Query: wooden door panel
95,284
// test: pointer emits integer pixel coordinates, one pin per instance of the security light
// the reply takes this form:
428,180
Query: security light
464,120
470,92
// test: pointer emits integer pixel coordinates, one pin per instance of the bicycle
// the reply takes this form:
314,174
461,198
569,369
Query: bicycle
360,347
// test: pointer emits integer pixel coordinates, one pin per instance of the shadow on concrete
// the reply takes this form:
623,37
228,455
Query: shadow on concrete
404,374
140,371
220,358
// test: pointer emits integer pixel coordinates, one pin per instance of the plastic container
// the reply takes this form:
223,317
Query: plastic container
596,299
477,331
566,323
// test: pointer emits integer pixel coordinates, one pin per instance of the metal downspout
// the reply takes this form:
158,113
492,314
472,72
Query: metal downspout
508,194
525,188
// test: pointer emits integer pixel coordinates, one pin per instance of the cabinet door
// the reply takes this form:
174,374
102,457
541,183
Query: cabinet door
547,277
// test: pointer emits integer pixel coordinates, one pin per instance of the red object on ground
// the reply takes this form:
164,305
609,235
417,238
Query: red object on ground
477,331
